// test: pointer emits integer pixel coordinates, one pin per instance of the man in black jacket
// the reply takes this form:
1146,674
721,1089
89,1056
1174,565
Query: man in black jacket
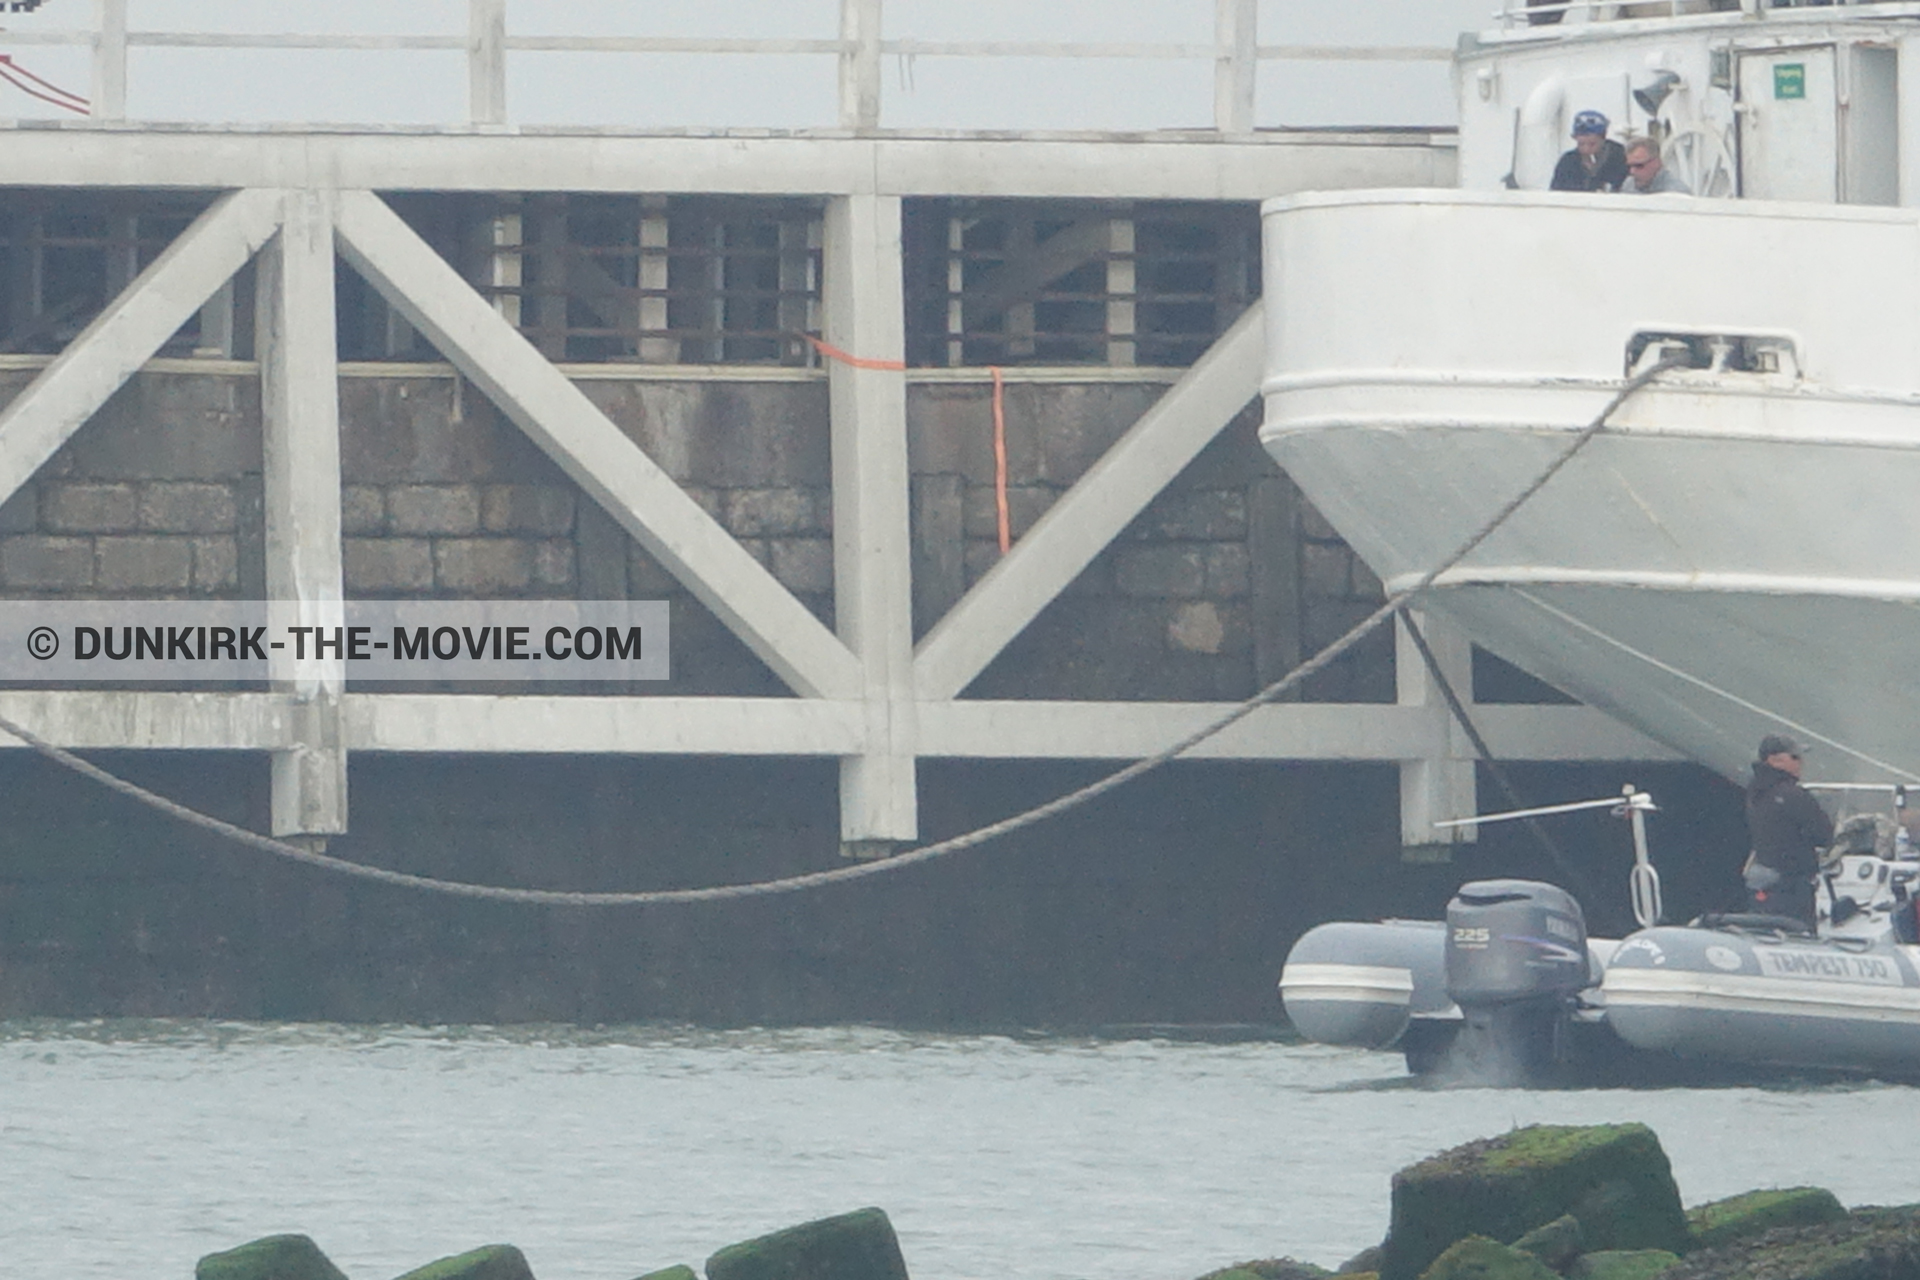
1789,828
1595,163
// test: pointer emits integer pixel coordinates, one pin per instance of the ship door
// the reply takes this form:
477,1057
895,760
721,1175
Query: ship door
1789,125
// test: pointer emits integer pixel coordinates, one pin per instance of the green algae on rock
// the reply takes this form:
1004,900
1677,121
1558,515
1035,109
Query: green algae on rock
1623,1264
289,1257
1555,1243
489,1262
1478,1258
1270,1269
678,1272
1724,1221
1868,1244
1613,1179
851,1246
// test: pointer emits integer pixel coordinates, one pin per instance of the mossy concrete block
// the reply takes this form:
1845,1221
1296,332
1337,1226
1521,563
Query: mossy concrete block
269,1258
1478,1258
488,1262
1724,1221
1623,1264
1270,1269
1614,1179
1867,1244
681,1272
852,1246
1556,1243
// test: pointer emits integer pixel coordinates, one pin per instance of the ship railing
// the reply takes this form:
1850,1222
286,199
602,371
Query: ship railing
1538,13
491,42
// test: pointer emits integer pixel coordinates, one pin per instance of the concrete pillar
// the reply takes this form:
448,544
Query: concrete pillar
654,346
1440,784
109,96
1122,279
300,413
860,64
487,61
872,538
506,265
956,291
1236,62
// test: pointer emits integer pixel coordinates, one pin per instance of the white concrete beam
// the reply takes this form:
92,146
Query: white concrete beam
451,723
865,314
1037,730
1093,512
134,326
1033,729
593,452
1436,784
118,720
585,724
300,447
1169,166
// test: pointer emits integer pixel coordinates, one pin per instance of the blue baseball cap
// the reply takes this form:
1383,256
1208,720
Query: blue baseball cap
1590,122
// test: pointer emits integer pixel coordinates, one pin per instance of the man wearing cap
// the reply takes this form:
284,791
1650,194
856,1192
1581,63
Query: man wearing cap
1789,828
1596,163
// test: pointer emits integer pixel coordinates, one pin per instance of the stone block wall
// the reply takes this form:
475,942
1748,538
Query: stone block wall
155,498
1220,585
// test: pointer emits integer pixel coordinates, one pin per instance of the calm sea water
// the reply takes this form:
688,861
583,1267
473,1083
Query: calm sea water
127,1149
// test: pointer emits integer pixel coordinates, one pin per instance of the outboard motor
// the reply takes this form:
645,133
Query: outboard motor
1516,957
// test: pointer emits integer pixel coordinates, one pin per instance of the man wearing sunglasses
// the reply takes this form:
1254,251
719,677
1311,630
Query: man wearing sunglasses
1647,174
1789,828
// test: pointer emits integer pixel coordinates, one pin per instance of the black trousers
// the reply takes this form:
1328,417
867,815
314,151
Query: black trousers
1793,896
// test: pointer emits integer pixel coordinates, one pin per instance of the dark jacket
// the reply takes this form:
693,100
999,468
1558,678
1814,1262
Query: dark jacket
1787,824
1571,175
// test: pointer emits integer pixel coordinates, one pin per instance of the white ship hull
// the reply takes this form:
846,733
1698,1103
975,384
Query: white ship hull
1737,553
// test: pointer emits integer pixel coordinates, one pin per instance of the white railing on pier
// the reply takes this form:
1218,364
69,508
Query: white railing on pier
860,51
1536,13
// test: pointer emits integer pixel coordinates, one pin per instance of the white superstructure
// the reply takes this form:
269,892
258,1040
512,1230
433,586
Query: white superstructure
1737,552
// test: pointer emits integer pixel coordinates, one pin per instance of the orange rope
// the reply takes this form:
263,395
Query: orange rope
45,90
1004,514
1000,459
832,352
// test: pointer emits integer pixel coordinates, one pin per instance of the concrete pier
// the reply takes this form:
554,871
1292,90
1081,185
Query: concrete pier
753,374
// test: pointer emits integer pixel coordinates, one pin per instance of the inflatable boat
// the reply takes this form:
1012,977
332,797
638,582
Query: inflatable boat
1509,989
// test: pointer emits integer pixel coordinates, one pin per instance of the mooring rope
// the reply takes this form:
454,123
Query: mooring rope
898,861
1581,886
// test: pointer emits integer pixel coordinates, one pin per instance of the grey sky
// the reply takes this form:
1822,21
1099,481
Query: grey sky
776,91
